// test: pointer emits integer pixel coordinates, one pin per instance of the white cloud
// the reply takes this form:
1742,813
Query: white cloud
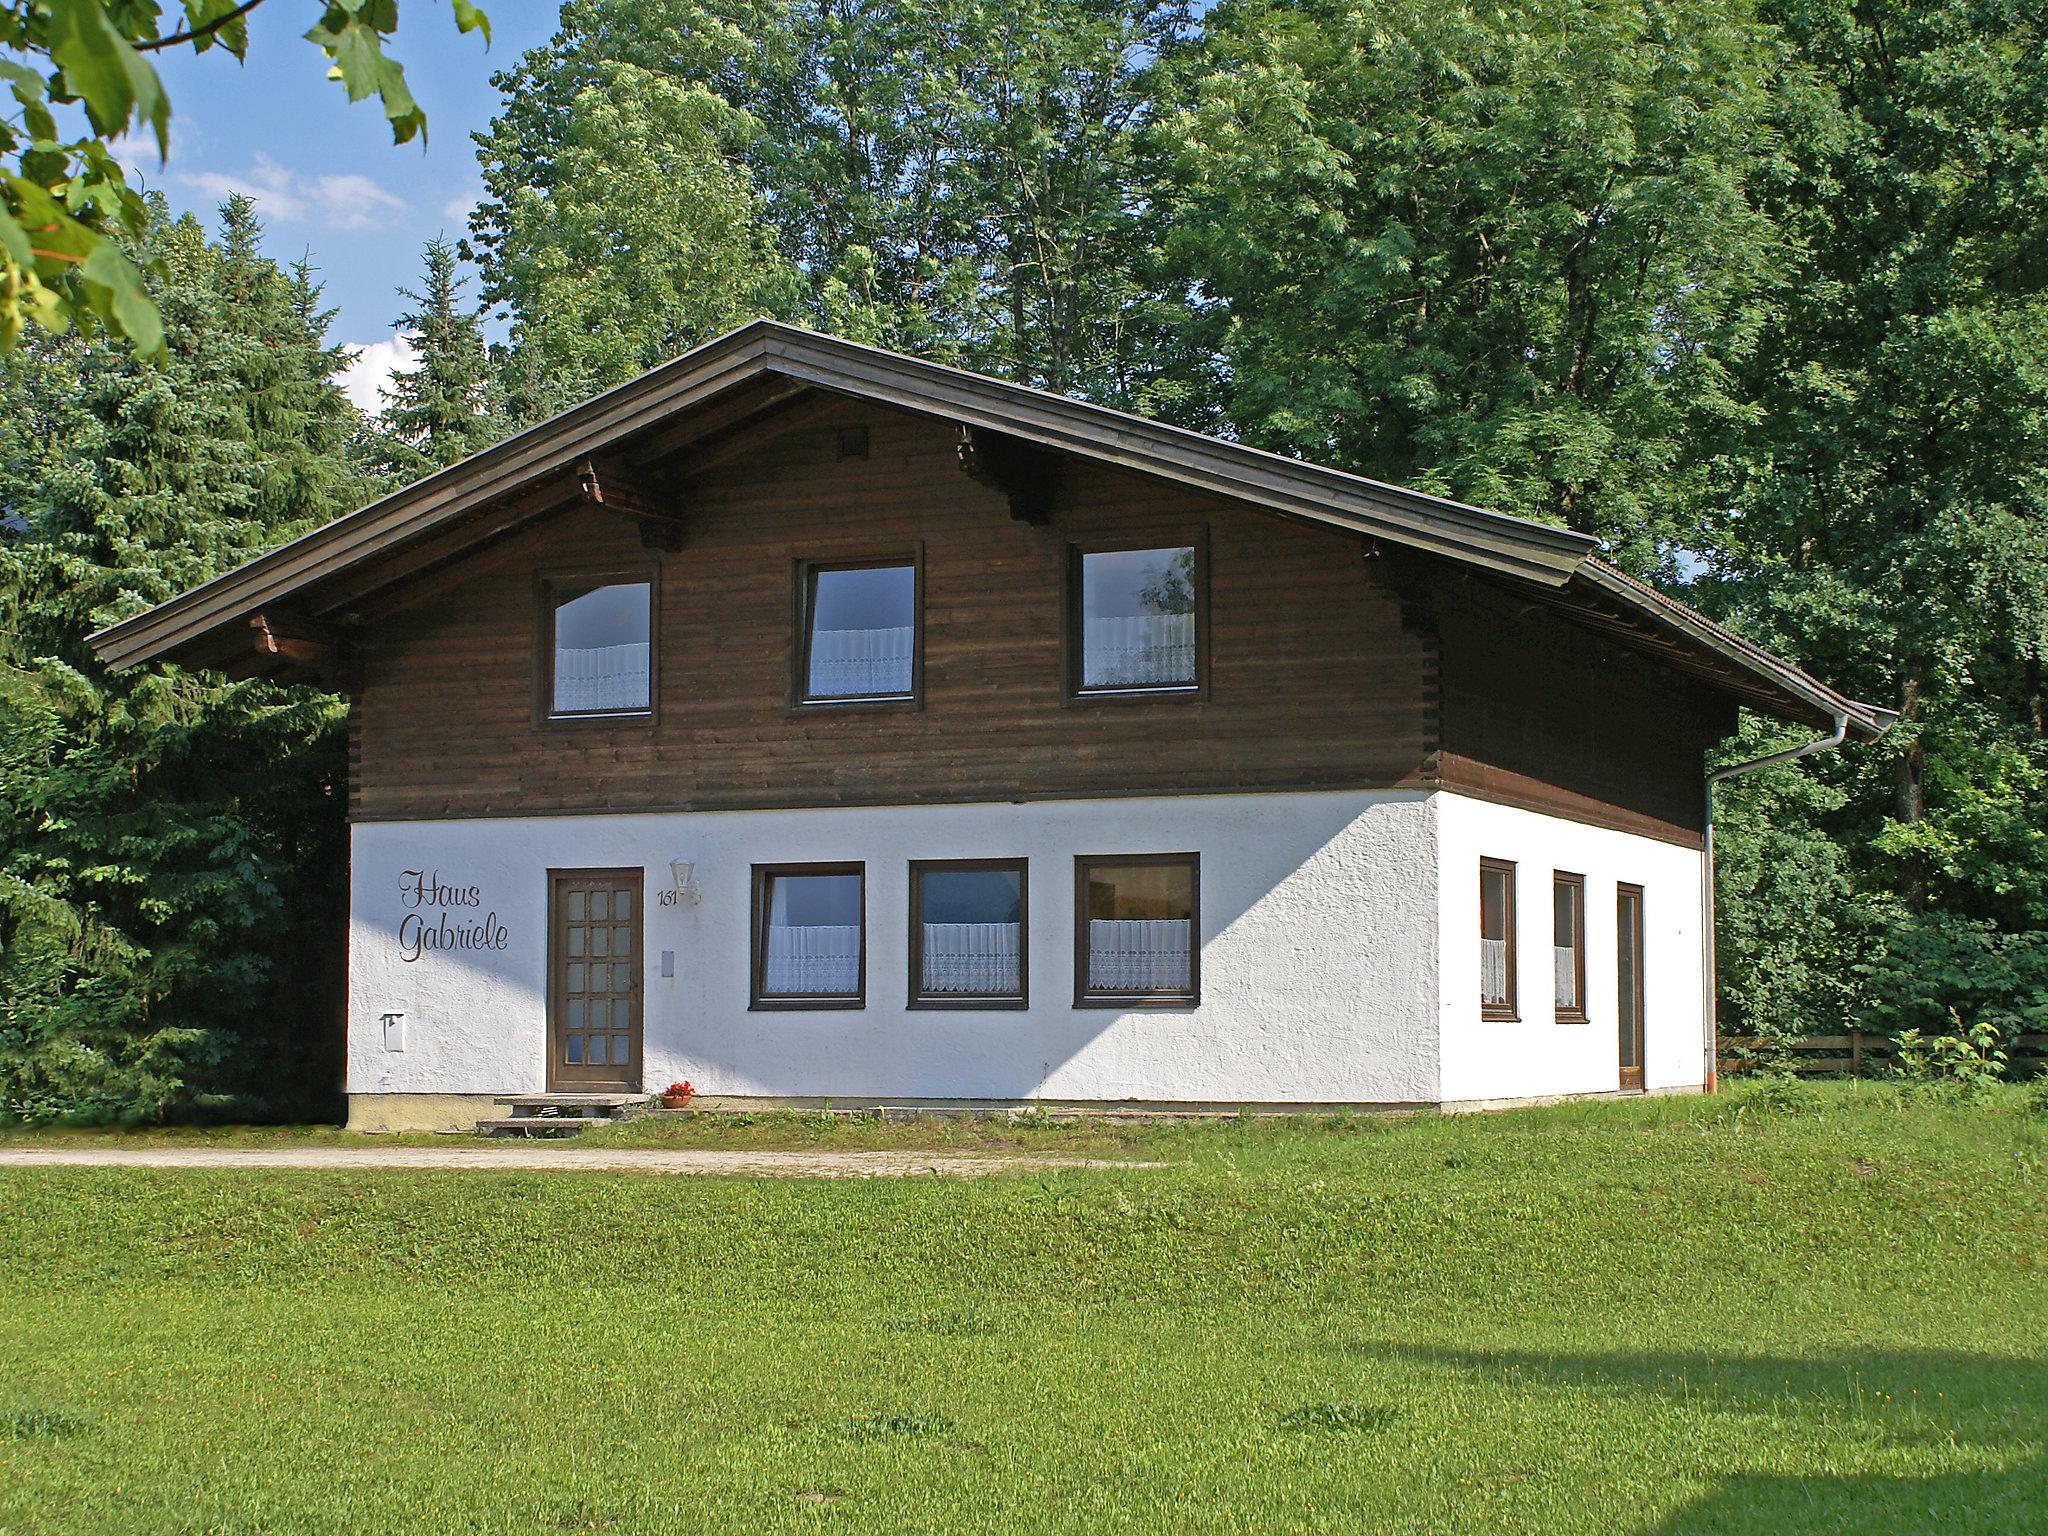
137,153
458,208
346,201
371,370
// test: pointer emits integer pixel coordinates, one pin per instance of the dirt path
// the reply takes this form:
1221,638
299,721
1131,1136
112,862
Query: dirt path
805,1165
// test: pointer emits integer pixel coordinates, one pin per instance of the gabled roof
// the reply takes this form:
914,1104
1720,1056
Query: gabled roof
719,372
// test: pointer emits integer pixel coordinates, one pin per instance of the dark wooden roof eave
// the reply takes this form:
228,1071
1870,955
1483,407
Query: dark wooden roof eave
766,362
1603,597
714,370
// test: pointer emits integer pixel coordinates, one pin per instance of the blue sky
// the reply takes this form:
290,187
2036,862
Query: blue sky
325,174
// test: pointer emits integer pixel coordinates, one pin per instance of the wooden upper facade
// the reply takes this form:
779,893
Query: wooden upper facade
1336,649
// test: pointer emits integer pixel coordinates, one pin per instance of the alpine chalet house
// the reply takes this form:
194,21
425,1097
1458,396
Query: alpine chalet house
810,722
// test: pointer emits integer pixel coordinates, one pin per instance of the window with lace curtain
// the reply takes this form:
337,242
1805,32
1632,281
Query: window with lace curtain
810,923
860,641
1138,619
1496,939
968,944
1137,932
600,648
1568,946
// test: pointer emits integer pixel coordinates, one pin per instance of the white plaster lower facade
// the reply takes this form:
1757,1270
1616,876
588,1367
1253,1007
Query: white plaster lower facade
1338,933
1534,1056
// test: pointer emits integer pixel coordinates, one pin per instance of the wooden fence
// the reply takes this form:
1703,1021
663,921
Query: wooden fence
1862,1053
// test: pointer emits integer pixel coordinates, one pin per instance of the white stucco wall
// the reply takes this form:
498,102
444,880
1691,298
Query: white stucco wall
1535,1056
1319,954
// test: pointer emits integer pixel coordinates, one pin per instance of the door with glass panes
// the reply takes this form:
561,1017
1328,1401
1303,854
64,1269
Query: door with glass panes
594,980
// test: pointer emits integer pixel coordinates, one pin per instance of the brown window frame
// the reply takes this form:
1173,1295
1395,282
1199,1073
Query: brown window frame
917,996
806,571
1574,1013
546,585
1080,545
1178,1002
1506,1011
762,1001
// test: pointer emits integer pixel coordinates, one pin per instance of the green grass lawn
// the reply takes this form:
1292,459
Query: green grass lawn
1682,1316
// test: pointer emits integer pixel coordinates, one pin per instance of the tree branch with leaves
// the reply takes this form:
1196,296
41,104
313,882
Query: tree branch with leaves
68,216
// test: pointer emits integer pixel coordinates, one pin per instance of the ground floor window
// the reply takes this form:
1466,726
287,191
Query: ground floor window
968,938
1496,939
810,925
1135,939
1568,946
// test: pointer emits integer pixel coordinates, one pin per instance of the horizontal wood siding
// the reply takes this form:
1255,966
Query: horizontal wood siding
1539,713
1315,681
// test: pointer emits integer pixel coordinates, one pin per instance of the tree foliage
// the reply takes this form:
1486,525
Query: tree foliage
1511,255
167,906
959,179
446,405
67,213
1890,502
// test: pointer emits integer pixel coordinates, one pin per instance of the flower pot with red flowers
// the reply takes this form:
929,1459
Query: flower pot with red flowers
677,1095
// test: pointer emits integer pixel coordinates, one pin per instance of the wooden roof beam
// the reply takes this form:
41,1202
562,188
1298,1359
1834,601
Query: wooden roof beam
1026,475
327,651
613,486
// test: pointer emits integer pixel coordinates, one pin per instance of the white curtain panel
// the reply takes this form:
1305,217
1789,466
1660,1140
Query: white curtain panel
857,663
1493,970
601,677
1130,652
1565,962
970,959
1127,955
815,959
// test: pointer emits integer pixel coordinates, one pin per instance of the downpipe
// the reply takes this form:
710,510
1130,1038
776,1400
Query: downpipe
1711,1014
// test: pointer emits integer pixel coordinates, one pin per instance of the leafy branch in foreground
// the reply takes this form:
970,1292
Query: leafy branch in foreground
66,209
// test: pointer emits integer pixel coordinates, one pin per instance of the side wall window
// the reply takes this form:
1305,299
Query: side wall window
810,931
1568,946
1137,939
1496,939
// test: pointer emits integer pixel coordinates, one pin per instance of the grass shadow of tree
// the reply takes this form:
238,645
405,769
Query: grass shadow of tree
1927,1404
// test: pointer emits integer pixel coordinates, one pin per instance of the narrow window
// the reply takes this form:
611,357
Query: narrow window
1136,612
859,633
1496,939
602,661
1137,934
809,923
967,933
1568,946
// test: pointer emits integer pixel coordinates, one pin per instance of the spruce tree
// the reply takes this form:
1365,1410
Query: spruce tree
445,406
169,913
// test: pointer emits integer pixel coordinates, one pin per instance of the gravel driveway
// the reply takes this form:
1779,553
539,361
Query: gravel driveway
804,1165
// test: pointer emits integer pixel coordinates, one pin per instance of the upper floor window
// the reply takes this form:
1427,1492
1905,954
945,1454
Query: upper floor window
809,932
601,655
1568,945
1496,939
1136,930
859,632
1137,619
967,933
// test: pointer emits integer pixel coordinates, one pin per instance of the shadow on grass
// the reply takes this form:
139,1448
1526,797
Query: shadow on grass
1929,1402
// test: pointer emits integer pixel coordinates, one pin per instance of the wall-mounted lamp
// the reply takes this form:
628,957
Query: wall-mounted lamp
394,1030
684,873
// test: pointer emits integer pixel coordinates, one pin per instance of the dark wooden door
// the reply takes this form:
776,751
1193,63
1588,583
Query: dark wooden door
1628,980
594,991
